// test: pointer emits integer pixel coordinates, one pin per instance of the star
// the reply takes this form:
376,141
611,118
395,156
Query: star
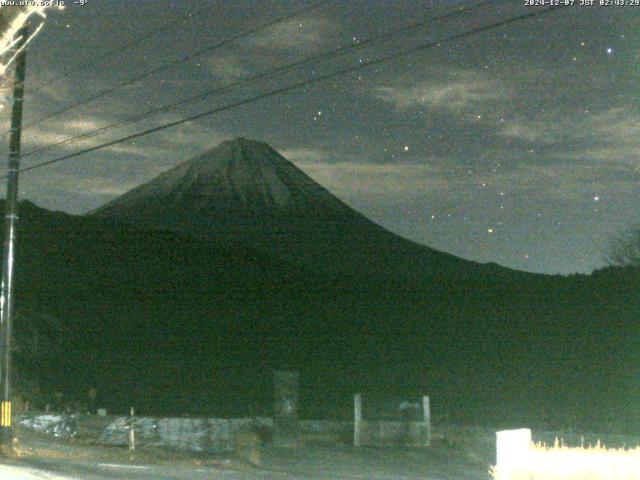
492,106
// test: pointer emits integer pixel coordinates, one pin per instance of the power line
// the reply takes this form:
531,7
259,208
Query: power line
184,59
263,75
278,91
37,87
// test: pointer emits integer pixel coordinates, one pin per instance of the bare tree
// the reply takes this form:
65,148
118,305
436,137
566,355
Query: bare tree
624,249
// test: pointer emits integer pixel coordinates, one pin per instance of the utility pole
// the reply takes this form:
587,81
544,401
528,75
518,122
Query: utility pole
8,254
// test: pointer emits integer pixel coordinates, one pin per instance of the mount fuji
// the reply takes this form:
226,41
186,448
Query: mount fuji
184,293
246,193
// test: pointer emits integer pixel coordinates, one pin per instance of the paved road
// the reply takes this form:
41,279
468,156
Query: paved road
20,473
66,470
322,463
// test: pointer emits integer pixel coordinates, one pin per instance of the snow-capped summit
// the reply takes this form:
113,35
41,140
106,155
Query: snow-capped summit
236,177
243,191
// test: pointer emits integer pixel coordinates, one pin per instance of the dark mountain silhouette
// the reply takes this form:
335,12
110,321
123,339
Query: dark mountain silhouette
182,295
244,192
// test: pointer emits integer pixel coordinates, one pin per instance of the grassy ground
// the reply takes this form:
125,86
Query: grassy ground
457,452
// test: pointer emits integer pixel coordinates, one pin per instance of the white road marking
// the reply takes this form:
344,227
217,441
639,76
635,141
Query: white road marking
117,465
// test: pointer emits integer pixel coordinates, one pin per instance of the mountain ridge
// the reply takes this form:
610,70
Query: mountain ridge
174,323
244,191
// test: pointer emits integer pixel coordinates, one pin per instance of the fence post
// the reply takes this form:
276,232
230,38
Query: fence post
132,432
426,410
286,427
357,416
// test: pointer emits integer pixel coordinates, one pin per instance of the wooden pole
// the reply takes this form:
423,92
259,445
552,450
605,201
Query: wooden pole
11,217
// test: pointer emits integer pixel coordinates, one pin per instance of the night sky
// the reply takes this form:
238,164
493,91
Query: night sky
519,145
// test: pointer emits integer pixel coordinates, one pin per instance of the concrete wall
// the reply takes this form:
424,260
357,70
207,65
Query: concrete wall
401,427
389,433
213,435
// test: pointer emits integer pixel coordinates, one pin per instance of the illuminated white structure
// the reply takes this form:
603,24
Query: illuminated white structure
12,19
518,458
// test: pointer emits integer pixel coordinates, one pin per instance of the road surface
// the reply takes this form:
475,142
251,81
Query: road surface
310,462
103,471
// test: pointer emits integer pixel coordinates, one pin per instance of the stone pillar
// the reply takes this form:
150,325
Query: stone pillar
285,416
357,419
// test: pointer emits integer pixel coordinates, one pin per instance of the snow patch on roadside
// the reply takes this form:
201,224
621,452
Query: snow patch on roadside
60,426
20,473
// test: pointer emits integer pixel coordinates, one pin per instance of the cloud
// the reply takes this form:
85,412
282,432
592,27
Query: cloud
612,135
96,186
296,35
618,126
354,179
610,153
52,91
349,176
458,89
166,147
436,178
226,67
304,155
581,180
533,132
40,136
